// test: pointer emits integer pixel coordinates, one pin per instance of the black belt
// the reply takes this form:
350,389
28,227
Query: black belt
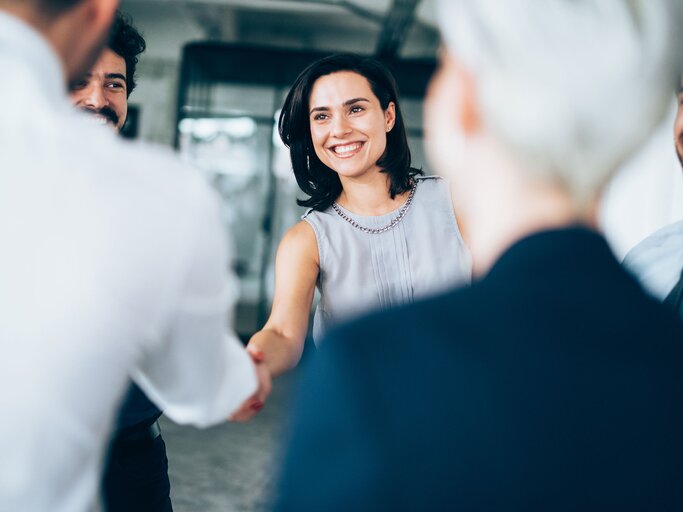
137,434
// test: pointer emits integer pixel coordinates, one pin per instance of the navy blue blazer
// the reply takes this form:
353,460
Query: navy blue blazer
553,383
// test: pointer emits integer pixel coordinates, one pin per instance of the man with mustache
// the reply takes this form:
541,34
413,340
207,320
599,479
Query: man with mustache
104,90
136,473
657,261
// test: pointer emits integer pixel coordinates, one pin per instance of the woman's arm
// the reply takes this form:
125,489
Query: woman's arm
278,346
297,264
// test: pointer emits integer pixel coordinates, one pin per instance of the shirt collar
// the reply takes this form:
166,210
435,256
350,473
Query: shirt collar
555,251
21,41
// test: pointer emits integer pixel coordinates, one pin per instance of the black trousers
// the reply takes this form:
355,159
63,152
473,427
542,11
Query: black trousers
136,476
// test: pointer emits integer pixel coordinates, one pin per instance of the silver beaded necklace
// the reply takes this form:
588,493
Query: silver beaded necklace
376,231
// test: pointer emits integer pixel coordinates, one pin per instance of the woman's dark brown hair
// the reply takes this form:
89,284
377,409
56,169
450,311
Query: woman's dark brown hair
318,181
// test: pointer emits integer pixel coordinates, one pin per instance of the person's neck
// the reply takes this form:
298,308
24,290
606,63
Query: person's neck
513,215
369,195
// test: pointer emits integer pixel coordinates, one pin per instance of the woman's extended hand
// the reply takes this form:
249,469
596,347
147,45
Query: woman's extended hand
255,402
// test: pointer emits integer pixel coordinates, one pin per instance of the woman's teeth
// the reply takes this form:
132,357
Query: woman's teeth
348,148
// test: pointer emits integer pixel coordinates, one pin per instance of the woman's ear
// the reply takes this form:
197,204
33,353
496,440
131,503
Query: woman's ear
390,116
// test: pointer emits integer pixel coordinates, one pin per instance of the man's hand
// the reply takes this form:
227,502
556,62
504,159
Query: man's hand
255,402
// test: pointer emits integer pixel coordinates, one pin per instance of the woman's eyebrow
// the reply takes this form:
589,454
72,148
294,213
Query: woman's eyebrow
354,100
346,104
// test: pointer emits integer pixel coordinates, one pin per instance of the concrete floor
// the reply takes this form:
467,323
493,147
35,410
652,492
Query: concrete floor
232,467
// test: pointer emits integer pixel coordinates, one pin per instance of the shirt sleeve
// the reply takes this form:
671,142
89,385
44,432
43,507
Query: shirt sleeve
656,262
201,372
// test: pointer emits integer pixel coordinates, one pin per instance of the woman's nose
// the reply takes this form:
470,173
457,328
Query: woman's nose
340,126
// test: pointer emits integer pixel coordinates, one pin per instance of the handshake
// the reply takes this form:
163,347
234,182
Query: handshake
252,405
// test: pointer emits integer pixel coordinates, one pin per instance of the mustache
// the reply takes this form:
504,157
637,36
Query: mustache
106,112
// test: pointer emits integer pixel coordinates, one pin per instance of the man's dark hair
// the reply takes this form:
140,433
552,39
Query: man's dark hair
317,180
126,41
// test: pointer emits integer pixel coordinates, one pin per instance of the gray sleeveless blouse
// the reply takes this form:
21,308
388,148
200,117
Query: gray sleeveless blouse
361,272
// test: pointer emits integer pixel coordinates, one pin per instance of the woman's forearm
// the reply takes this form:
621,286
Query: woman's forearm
280,353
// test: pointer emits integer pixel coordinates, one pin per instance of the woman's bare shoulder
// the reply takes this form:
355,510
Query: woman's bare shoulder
300,241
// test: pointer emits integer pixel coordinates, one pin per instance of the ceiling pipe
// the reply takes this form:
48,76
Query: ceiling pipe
395,27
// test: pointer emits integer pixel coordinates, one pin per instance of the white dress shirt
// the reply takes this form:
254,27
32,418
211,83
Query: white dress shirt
112,263
657,261
646,193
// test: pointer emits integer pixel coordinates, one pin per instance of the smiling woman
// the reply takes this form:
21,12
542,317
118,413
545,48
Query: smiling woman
349,136
377,234
355,95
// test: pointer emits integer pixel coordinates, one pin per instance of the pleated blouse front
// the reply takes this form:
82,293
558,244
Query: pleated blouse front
361,272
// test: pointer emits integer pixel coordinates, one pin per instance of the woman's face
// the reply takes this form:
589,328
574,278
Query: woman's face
348,126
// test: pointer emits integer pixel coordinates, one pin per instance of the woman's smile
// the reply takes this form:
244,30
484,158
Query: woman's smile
346,150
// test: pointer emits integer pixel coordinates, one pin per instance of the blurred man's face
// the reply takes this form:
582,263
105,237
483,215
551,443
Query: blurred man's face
102,91
678,123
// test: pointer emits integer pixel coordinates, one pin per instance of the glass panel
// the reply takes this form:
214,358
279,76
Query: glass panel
412,112
235,153
254,100
417,154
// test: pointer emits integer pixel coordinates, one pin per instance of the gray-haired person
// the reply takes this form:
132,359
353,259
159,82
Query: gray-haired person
554,382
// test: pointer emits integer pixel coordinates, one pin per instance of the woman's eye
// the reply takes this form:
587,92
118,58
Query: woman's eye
320,117
356,109
115,85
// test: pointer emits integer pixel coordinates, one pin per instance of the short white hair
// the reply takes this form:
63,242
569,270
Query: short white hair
572,87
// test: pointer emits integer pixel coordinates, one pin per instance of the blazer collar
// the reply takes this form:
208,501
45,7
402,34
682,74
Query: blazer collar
558,250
